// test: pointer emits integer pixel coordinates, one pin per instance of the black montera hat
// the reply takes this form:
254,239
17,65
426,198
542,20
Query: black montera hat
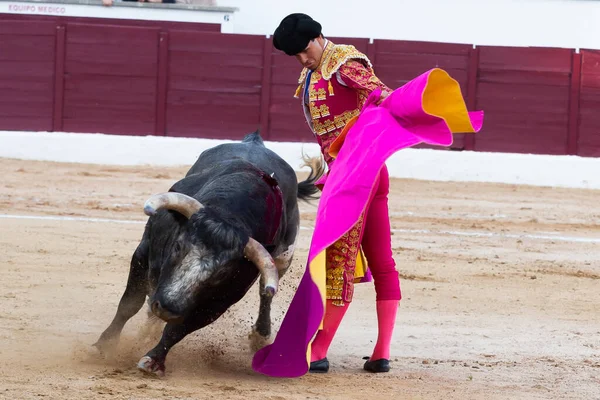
294,32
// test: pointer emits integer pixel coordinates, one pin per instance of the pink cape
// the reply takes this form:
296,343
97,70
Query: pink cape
428,109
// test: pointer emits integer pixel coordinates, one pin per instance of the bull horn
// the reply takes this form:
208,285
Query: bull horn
179,202
256,253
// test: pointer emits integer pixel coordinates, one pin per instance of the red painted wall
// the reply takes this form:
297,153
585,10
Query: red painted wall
181,79
525,94
27,59
588,142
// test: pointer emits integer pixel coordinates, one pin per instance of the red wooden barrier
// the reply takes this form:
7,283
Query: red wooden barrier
214,84
589,114
110,79
27,62
525,95
398,62
181,79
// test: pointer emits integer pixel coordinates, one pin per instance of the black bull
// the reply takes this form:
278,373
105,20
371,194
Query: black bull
233,218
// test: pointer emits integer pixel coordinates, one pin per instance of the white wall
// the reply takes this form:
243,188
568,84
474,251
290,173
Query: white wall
546,23
425,164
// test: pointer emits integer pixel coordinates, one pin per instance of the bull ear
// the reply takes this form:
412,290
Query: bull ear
179,202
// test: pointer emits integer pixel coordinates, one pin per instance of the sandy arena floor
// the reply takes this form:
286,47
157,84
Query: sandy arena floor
501,289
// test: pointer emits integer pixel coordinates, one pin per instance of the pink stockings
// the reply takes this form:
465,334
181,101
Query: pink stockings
377,246
331,322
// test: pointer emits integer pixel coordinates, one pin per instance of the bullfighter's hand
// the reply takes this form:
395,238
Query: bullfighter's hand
384,94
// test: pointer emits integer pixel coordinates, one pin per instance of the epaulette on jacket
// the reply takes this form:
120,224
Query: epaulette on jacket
334,57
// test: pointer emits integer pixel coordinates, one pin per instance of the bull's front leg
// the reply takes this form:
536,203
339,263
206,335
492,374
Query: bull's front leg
131,301
261,331
154,361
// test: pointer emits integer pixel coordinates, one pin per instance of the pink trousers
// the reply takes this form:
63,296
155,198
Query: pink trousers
377,241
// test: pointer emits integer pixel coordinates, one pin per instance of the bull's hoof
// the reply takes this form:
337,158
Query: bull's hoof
258,341
150,366
106,347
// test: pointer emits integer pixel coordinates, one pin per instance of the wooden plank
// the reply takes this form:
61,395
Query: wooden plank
26,75
285,75
417,47
525,77
575,87
233,129
214,112
110,60
525,59
285,91
523,98
101,109
469,140
193,84
421,62
293,129
588,138
29,28
162,82
99,103
523,115
200,99
190,60
140,38
98,98
27,70
395,78
242,75
32,105
12,85
26,48
590,69
59,79
265,95
208,43
280,110
111,50
282,60
109,126
26,123
105,85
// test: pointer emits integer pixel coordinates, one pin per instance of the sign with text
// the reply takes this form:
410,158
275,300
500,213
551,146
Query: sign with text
131,11
45,9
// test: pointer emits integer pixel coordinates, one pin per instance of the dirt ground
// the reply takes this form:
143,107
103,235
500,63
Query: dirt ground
500,291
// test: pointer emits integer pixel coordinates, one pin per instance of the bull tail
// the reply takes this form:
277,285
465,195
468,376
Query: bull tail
307,189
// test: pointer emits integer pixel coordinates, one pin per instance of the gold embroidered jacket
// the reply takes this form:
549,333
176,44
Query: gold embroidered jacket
336,91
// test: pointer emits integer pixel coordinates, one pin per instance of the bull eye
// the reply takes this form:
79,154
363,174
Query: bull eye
177,247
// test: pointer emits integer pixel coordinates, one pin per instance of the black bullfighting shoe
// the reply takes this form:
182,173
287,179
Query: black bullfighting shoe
381,365
320,366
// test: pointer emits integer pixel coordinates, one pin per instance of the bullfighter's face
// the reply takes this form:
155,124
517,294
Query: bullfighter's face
310,57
